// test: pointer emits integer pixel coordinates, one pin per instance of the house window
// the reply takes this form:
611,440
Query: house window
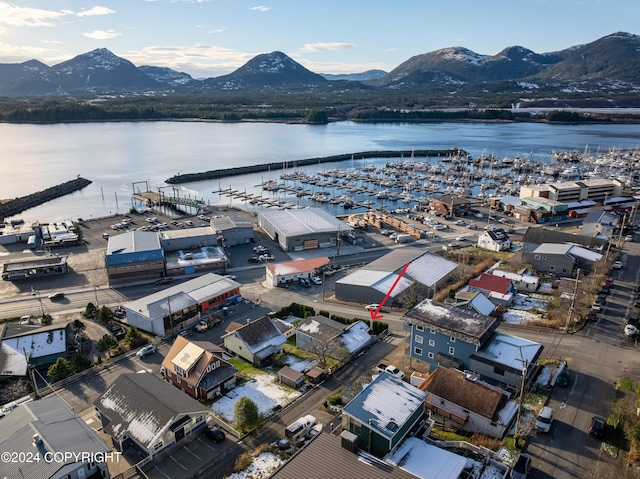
498,371
452,339
178,380
493,424
199,419
432,343
432,331
417,351
419,328
418,339
442,402
536,256
452,351
552,267
430,355
158,445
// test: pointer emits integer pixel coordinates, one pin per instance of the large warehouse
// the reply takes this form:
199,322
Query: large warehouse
234,230
174,309
134,257
297,230
188,238
372,282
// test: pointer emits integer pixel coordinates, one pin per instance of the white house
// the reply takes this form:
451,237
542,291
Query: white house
522,282
495,240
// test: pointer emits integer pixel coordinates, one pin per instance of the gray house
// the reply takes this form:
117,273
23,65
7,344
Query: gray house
601,222
536,236
147,414
50,428
320,334
563,259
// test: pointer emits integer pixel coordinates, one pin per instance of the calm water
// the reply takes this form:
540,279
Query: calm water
116,155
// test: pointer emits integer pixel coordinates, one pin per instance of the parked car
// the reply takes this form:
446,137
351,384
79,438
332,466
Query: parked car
597,427
460,223
563,378
592,316
201,327
316,279
56,296
214,433
605,289
628,238
254,259
305,283
472,226
617,265
145,351
609,282
544,419
521,468
372,307
164,281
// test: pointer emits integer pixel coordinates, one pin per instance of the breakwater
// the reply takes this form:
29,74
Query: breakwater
18,205
243,170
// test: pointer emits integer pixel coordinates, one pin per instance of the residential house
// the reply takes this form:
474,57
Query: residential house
563,259
383,414
503,359
526,283
452,205
256,341
497,289
474,301
494,240
145,413
442,334
22,345
465,402
535,236
49,428
201,374
321,335
601,222
445,335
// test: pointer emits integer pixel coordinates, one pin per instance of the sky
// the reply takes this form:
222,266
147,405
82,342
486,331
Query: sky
209,38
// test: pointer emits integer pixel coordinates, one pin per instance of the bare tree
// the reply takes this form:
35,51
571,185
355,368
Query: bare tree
325,348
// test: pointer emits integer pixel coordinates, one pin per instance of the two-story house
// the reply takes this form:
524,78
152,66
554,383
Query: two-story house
383,414
494,240
200,373
256,341
444,335
467,403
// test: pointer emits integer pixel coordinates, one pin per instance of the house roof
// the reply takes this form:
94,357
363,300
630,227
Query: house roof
323,456
470,327
386,404
290,373
523,278
477,301
300,222
461,389
489,282
601,217
133,246
320,327
223,223
509,351
143,407
356,336
498,235
61,431
536,235
553,248
261,336
296,267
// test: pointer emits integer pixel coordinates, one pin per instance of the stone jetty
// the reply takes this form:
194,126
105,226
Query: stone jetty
18,205
243,170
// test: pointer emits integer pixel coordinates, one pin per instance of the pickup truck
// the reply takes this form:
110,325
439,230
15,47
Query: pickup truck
391,369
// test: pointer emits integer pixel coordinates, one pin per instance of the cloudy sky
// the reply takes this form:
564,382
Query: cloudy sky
208,38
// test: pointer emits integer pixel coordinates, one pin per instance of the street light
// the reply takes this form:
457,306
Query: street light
34,293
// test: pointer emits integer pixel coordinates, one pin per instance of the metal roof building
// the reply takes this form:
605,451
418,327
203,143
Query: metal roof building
181,306
133,257
373,281
297,230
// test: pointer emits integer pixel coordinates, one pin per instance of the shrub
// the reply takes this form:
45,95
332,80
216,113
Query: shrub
242,462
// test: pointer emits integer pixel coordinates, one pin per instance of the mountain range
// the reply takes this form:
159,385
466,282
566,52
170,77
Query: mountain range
609,66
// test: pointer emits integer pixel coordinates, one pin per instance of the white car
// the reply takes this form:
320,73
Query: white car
544,419
461,238
316,279
372,307
617,265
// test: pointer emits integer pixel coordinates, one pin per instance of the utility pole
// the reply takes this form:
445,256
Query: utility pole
525,365
573,300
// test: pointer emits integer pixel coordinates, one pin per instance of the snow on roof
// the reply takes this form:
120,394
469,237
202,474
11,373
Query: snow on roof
364,277
312,326
384,286
39,344
427,461
509,351
356,336
516,277
386,404
428,269
300,222
584,253
295,267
